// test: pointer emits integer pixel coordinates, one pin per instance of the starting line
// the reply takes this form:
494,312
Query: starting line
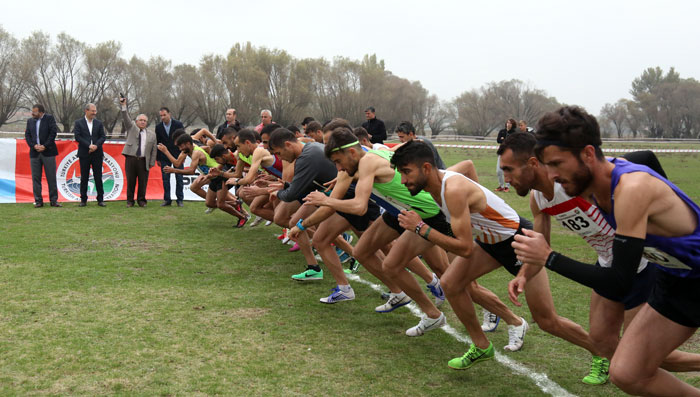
612,150
541,380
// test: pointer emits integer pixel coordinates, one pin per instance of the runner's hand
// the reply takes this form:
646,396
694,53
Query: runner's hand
516,287
531,247
409,220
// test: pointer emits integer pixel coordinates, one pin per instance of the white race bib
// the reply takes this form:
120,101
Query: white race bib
578,222
663,259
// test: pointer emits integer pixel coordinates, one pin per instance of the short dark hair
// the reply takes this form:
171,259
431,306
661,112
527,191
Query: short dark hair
178,133
165,108
413,152
269,128
370,109
335,123
280,136
307,120
39,107
229,131
218,151
294,128
406,127
247,134
571,128
339,139
360,133
522,144
184,139
313,126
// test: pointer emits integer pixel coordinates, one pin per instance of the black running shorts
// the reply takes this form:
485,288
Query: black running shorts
676,298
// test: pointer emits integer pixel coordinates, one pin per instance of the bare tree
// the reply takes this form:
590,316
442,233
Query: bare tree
438,115
212,95
616,114
12,78
182,103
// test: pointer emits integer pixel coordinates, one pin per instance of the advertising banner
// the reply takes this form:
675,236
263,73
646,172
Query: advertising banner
16,174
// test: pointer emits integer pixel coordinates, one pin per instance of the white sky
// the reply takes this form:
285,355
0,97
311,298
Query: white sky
585,53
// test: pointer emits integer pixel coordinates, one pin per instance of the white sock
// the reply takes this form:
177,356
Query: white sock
435,281
344,288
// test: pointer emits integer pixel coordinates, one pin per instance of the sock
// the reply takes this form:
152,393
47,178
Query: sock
435,281
400,294
314,267
344,288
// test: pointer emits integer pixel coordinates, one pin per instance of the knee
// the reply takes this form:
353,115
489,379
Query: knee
221,204
390,269
280,220
450,287
548,323
624,377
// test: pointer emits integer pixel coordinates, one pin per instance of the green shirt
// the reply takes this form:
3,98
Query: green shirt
394,191
210,163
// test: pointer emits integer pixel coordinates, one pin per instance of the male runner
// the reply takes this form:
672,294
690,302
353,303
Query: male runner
652,218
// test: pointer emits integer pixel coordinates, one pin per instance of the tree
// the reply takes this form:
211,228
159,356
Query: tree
211,94
616,114
182,104
437,116
12,78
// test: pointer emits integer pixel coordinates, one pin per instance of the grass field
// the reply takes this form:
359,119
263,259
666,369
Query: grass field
169,301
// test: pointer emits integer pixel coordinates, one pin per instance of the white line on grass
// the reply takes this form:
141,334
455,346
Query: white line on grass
541,380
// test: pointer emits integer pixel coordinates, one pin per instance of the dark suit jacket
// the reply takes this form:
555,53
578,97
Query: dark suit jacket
163,138
85,139
47,135
220,129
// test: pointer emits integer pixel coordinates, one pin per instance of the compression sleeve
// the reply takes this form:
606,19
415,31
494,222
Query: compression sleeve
615,280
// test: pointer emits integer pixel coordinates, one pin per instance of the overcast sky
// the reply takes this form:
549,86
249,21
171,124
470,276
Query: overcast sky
584,53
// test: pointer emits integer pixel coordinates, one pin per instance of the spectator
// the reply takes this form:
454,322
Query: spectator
140,151
230,122
164,131
374,126
502,135
40,135
522,127
265,119
90,134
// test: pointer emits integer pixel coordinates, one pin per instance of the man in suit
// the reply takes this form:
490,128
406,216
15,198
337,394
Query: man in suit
374,126
40,135
164,131
90,135
230,122
140,151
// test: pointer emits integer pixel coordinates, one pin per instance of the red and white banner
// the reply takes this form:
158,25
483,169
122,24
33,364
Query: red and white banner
16,176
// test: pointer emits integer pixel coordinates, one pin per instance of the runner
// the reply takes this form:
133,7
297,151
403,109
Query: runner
652,218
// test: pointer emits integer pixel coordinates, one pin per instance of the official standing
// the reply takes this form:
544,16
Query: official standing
164,131
40,135
230,122
90,135
140,153
374,126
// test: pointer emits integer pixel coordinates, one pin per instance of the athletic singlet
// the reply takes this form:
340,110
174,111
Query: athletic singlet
679,256
210,163
398,196
584,219
274,169
496,223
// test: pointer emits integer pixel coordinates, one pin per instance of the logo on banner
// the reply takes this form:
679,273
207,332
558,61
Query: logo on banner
68,178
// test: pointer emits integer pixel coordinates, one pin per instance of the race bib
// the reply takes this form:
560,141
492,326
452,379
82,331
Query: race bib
578,222
663,259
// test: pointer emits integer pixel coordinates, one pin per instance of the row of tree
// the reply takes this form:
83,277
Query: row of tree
64,74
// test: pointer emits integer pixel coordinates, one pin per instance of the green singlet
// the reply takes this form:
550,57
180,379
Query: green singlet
210,163
422,202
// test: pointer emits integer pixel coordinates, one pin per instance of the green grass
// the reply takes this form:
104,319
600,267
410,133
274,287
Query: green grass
169,301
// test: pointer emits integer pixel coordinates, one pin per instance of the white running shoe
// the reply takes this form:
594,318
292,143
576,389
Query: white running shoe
285,240
427,324
490,321
268,223
395,301
338,296
209,210
258,220
516,336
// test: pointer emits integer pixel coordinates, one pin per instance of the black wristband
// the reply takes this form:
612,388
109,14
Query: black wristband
551,259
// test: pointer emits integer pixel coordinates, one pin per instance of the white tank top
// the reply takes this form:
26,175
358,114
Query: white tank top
496,223
582,218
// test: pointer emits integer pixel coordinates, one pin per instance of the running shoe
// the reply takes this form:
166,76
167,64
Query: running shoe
308,275
344,257
241,222
258,220
268,223
438,293
427,324
294,248
516,336
347,237
394,302
354,268
338,296
490,321
283,235
599,371
471,357
209,210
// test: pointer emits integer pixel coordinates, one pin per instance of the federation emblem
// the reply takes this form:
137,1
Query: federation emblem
68,178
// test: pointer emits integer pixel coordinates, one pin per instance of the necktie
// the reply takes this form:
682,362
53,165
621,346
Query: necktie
138,151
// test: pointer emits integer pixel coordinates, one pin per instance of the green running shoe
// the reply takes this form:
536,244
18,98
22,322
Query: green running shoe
308,275
353,268
599,371
471,357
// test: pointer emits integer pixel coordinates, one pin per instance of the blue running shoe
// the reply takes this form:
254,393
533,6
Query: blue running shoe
339,296
438,293
490,321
